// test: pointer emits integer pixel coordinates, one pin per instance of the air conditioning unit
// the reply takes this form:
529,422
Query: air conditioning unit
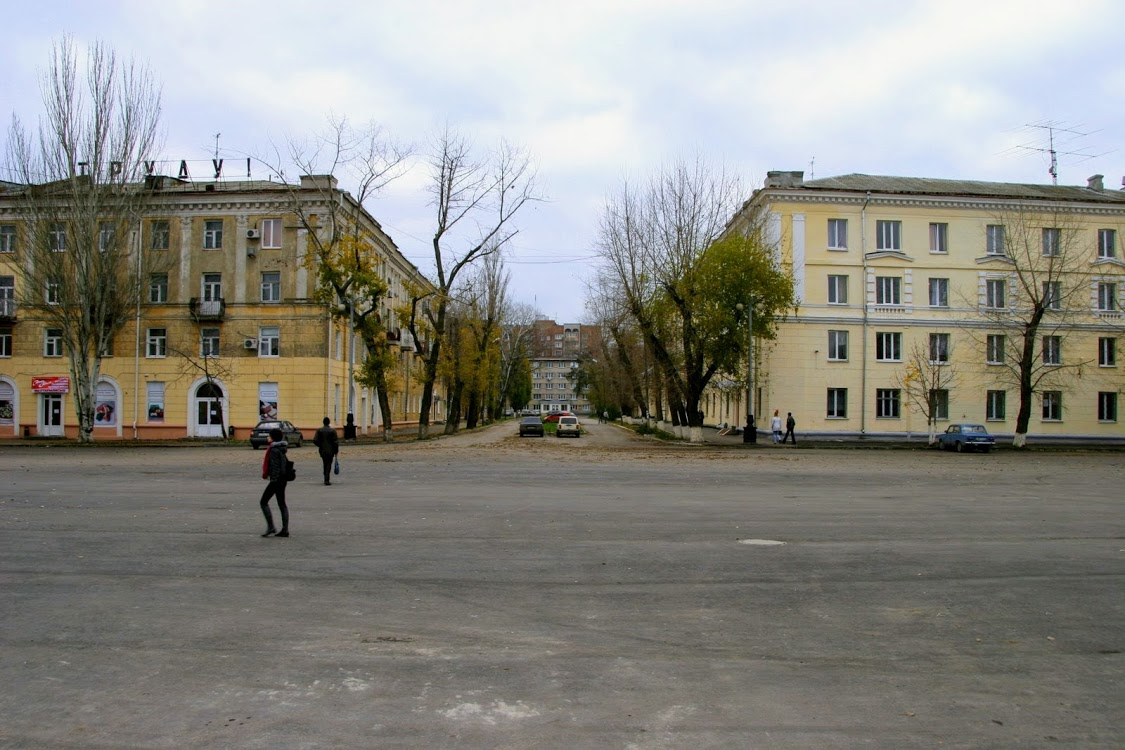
253,234
249,343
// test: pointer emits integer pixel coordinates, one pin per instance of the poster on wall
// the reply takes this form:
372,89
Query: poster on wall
7,404
105,407
267,400
156,402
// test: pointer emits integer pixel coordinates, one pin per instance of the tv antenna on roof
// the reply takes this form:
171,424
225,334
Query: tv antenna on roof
217,146
1057,130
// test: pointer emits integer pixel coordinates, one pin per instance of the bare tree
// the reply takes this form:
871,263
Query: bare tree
927,377
518,328
476,201
83,197
1032,303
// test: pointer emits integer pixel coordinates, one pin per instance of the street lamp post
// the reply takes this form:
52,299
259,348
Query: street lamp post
750,433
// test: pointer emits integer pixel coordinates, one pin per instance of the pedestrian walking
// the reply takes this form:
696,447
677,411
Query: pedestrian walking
775,426
275,469
349,429
328,445
790,423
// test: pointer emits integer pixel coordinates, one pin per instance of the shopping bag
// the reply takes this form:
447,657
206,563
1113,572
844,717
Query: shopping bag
336,467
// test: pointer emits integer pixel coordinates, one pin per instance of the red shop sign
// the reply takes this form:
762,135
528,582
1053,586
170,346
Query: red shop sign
51,384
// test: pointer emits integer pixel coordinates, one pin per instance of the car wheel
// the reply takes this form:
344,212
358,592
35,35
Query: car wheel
986,449
960,447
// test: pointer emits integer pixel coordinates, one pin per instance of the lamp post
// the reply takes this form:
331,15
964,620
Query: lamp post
750,433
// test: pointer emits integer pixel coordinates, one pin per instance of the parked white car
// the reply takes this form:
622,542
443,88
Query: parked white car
569,425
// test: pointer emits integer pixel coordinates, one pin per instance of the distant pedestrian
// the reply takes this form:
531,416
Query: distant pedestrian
790,423
274,469
328,445
349,429
605,417
775,426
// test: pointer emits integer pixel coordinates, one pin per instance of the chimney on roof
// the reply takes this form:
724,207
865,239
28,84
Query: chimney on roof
784,179
318,181
1094,182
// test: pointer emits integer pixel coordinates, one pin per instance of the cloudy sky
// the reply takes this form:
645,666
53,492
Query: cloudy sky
601,90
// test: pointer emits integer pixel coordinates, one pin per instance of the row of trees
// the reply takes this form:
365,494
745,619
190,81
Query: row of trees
83,168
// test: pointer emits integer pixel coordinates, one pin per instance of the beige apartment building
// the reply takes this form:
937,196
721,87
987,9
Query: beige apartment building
887,266
556,349
229,330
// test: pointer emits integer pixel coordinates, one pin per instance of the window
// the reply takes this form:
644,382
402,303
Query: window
107,236
5,342
888,235
271,286
209,342
995,294
939,348
8,296
888,290
837,403
939,292
7,238
1052,406
155,401
994,349
837,234
888,347
269,341
158,288
1052,295
157,342
1107,296
994,239
1107,352
52,342
1107,243
837,290
160,235
56,237
52,293
212,286
837,346
939,234
939,404
996,405
887,403
271,234
1052,350
1052,241
1107,406
212,235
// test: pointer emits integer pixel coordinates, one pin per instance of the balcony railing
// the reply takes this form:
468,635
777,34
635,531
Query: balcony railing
7,310
211,309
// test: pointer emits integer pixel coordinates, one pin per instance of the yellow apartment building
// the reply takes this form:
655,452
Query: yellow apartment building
229,330
889,266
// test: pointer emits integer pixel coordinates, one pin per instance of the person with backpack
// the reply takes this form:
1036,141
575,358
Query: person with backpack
275,468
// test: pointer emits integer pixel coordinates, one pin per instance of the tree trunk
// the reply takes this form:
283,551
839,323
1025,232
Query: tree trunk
453,419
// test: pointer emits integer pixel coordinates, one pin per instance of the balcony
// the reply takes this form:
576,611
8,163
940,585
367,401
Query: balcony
7,310
209,310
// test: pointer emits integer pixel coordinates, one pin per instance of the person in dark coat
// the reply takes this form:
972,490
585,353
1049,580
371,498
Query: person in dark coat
273,469
328,444
790,423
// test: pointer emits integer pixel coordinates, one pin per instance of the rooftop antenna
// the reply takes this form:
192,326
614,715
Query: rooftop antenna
812,168
217,146
1053,129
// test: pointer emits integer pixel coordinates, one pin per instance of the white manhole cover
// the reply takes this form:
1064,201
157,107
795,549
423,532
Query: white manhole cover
761,542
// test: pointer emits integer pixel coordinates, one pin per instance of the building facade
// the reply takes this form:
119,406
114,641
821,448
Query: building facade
888,266
556,351
229,331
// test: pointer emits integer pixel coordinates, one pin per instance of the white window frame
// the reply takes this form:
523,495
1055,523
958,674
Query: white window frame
5,342
158,288
888,346
1107,406
213,234
271,287
52,294
994,349
1107,296
837,403
1052,242
161,234
210,340
269,341
939,404
994,240
271,234
56,237
837,289
888,235
1107,244
1052,350
837,346
156,343
996,406
1052,406
996,291
888,287
107,236
1107,351
888,403
1052,295
939,348
52,342
7,238
837,234
939,238
939,291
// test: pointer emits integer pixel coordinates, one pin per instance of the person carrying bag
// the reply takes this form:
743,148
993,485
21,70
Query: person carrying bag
328,445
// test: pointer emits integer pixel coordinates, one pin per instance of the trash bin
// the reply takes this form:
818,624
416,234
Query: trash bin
230,431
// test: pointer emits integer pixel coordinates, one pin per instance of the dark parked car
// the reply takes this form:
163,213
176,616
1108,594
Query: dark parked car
966,437
261,434
531,426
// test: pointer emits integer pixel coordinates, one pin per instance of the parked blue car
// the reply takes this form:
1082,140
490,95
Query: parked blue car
966,437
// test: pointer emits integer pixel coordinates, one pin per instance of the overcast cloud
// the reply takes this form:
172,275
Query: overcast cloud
602,90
